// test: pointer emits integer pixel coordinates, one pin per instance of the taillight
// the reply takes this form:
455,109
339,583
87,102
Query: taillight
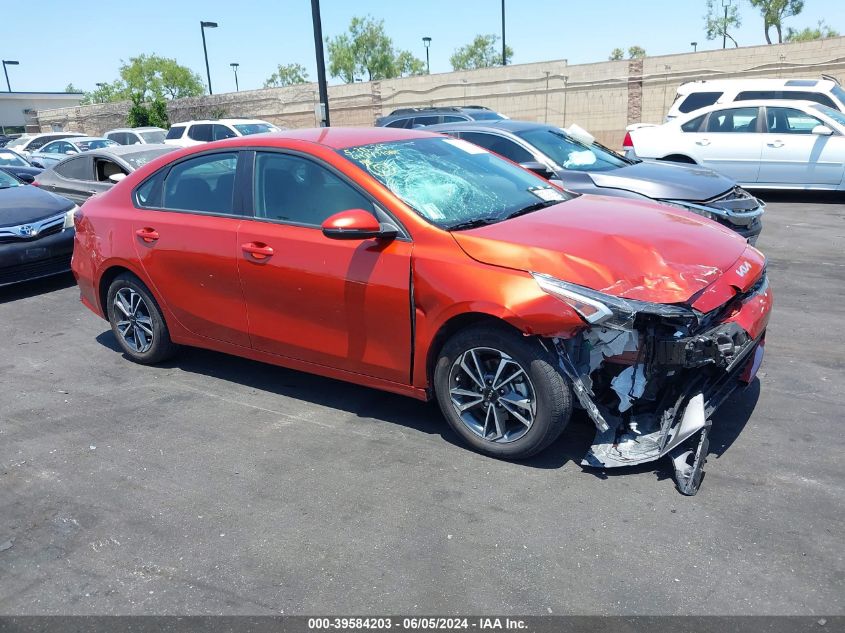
627,142
35,183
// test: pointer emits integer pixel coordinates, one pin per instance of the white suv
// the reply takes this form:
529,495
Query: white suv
695,95
29,143
197,132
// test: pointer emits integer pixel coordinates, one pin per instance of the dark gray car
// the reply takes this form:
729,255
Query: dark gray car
95,171
582,165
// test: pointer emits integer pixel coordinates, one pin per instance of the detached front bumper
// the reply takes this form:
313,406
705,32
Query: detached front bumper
737,210
651,387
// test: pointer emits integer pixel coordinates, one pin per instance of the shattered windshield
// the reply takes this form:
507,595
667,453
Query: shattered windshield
454,184
571,154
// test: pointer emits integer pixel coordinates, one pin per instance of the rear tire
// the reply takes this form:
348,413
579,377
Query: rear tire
501,392
137,321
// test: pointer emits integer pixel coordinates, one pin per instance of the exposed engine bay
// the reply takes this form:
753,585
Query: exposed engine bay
650,377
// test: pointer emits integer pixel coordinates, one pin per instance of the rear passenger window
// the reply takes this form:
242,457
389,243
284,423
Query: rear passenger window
205,184
220,132
499,145
293,189
75,168
403,123
451,118
694,125
175,132
200,132
736,120
422,121
699,100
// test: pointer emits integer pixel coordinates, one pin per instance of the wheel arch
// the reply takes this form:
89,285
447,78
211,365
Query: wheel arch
455,324
679,158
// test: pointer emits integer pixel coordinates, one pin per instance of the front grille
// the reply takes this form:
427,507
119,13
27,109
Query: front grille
34,270
12,239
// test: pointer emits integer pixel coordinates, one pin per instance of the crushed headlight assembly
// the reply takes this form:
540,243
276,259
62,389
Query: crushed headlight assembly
707,212
597,307
69,217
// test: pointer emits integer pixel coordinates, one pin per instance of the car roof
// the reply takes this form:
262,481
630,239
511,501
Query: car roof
755,103
820,84
72,139
136,129
124,150
331,137
507,125
224,121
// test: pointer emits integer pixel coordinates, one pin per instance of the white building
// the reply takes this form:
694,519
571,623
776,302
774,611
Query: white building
17,109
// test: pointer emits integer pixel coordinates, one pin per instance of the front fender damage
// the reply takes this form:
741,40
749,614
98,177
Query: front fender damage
651,384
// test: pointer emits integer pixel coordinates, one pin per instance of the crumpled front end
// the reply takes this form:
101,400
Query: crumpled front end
736,209
650,376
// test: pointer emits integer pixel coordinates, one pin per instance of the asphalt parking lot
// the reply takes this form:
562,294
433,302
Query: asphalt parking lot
214,484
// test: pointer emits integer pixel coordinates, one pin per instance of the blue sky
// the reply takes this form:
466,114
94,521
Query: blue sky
84,47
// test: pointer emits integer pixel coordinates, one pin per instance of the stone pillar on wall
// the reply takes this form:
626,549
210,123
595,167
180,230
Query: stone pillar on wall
376,92
635,91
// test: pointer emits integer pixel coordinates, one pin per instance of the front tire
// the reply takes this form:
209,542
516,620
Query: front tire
501,392
137,321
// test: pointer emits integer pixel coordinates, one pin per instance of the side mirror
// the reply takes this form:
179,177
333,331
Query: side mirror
822,130
117,177
35,163
538,168
356,224
27,178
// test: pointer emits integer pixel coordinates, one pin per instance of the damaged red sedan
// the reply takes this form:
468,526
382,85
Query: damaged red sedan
427,266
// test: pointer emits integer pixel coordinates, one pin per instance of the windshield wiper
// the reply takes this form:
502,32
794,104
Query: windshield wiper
473,224
532,207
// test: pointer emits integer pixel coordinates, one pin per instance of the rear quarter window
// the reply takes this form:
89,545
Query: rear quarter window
75,168
698,100
175,132
694,125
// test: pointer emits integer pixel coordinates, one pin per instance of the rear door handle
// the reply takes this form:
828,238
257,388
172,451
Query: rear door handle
703,141
147,234
775,144
259,250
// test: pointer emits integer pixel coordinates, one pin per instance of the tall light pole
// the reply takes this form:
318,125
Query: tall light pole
694,46
504,57
726,4
321,62
234,66
203,27
427,43
8,62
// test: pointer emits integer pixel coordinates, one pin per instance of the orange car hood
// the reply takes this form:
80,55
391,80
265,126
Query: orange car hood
632,249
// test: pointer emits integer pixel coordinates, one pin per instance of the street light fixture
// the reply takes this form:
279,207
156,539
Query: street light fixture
8,62
694,46
203,27
726,4
322,109
234,66
427,43
504,48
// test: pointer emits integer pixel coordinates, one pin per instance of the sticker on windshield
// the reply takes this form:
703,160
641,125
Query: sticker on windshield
547,194
469,148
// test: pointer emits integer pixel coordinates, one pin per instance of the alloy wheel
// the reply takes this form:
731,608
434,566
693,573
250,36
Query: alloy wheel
135,324
492,394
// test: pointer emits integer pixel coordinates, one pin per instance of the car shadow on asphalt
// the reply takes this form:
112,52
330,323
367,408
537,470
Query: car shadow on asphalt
728,422
425,417
806,197
37,287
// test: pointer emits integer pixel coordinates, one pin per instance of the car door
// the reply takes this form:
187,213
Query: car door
338,303
72,178
792,154
729,143
54,152
186,241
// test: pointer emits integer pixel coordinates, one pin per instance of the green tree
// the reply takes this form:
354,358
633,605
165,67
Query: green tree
774,12
365,51
616,54
107,93
716,25
71,88
287,75
805,35
155,77
482,52
636,52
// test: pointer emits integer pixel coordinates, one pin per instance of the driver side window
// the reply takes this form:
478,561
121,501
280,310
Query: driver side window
296,190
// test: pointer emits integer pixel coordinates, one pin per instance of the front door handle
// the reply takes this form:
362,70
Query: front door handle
775,144
147,234
703,141
259,250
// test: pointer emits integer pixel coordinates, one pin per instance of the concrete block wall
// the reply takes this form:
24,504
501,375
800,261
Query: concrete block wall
602,97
